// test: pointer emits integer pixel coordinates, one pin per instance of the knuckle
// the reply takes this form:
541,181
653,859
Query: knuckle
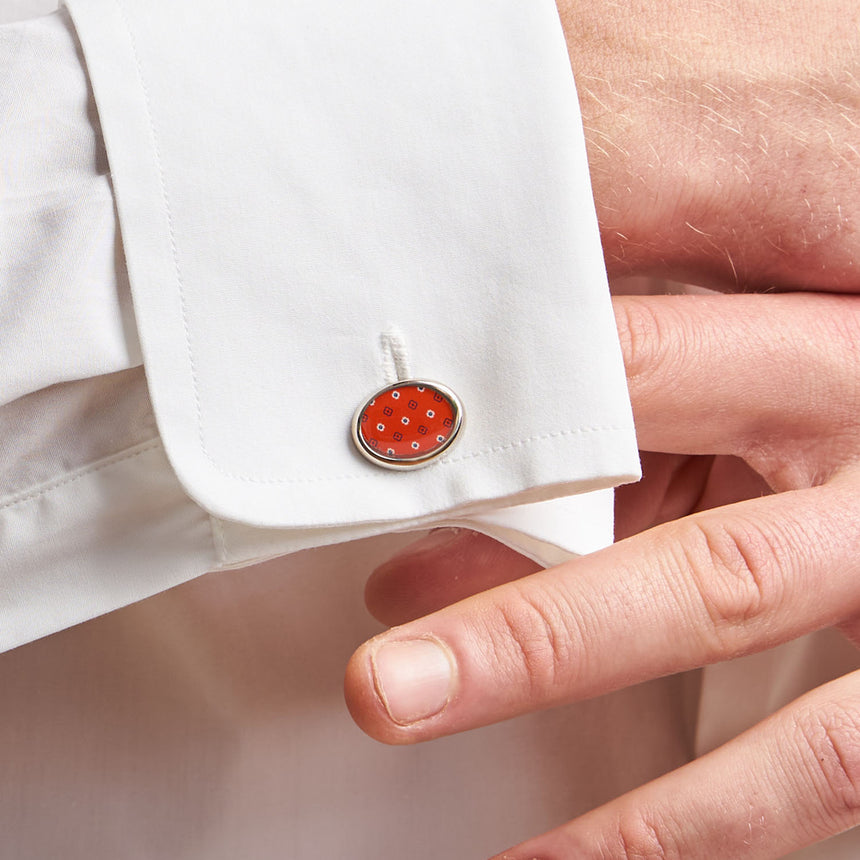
641,334
830,744
737,577
533,636
640,837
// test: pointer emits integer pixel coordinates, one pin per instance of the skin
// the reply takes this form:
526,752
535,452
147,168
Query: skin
723,137
723,141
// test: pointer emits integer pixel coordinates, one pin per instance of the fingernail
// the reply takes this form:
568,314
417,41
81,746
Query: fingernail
414,679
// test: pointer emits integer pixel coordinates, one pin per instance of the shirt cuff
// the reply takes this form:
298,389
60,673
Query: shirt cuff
341,178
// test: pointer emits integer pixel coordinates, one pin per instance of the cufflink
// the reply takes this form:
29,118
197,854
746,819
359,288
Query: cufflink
408,424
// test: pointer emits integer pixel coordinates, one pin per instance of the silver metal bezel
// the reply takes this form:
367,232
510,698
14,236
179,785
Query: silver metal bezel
417,462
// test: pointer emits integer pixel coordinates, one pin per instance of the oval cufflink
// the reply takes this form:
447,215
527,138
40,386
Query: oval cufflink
408,424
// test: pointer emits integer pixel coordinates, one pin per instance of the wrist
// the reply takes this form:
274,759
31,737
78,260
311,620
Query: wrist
717,154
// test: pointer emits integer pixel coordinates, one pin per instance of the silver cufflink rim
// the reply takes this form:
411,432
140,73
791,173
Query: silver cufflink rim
401,464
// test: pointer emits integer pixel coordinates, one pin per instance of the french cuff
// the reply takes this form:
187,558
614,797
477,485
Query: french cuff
312,205
336,179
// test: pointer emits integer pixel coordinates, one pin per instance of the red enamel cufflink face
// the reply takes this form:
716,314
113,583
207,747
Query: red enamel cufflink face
407,424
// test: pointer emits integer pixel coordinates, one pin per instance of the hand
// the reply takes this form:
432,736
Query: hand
765,387
723,137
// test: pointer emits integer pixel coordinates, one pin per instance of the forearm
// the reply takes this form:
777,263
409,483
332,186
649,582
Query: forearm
723,139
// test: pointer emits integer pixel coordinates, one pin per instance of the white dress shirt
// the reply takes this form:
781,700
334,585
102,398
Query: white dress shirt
369,175
281,221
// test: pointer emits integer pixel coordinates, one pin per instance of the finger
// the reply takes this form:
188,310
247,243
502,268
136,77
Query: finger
789,782
670,488
451,564
675,485
438,570
685,594
737,374
703,378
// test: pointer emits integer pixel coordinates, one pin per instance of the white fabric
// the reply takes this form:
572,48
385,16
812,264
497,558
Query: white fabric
283,211
65,314
289,249
207,722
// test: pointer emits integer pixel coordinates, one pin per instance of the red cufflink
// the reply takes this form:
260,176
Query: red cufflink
408,424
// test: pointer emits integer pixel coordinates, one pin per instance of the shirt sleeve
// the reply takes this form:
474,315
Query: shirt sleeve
308,200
